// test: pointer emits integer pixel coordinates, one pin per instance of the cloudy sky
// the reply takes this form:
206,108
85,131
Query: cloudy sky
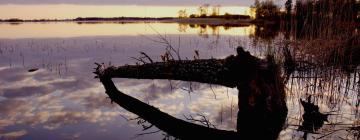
134,2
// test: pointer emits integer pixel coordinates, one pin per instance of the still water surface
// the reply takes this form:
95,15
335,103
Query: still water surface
62,100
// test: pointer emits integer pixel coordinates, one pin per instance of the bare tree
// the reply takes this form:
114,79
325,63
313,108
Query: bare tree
203,10
182,13
215,10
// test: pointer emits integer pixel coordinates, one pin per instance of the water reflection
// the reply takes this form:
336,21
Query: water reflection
72,29
61,95
337,94
62,99
204,30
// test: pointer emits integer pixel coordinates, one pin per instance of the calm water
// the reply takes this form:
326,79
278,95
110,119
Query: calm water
62,100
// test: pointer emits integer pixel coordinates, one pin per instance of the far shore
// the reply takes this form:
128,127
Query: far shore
89,20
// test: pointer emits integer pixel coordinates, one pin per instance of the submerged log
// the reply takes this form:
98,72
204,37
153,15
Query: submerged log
262,107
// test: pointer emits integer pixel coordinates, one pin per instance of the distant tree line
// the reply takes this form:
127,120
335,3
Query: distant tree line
117,18
82,19
13,20
205,12
33,20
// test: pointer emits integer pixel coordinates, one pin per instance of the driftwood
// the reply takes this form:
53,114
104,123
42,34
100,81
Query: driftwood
262,107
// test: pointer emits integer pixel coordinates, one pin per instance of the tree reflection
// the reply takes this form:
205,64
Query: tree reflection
206,30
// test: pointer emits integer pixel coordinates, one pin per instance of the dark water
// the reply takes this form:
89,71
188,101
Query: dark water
62,100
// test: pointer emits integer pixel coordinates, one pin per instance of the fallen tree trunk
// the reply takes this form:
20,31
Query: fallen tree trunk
262,107
204,71
227,72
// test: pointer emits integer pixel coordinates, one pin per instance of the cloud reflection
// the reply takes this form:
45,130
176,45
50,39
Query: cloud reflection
62,94
58,97
13,135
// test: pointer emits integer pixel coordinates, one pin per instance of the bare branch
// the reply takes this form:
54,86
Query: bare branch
147,133
147,56
138,59
203,120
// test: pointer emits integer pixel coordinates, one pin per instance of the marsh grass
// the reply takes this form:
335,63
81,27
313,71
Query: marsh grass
324,30
322,44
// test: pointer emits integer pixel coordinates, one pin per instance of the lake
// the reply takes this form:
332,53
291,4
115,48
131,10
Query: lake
61,99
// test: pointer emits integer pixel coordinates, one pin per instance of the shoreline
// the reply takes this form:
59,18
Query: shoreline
124,20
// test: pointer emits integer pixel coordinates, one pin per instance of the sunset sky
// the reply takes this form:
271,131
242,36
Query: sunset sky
131,2
63,9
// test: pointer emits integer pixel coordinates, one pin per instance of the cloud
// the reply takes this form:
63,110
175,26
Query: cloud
50,103
219,110
94,100
155,90
227,116
77,99
25,91
4,123
13,107
11,75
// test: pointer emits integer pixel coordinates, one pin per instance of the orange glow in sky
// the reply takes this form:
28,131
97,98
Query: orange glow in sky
65,11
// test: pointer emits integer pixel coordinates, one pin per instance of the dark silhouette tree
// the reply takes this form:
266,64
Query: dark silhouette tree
266,10
288,7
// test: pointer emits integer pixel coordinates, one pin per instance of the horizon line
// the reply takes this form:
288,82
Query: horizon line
105,4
